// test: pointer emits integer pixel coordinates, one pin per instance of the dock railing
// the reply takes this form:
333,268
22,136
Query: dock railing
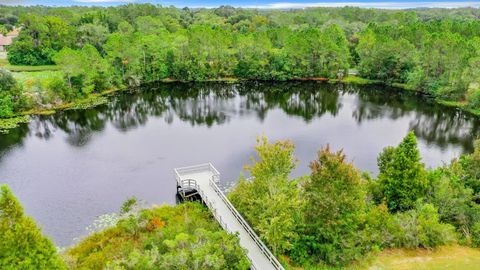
265,250
197,168
213,183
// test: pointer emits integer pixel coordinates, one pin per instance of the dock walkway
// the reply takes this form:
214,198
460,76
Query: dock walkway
204,179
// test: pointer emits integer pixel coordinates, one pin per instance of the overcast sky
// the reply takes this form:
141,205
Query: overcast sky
257,3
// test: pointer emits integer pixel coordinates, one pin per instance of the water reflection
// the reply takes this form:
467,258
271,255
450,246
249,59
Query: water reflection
211,104
70,167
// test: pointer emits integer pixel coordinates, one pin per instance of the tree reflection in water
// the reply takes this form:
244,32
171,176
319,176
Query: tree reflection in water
210,104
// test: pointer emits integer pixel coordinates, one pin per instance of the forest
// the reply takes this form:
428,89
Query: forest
82,52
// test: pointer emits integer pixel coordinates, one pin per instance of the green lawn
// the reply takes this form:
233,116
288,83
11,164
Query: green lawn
33,81
4,64
25,76
445,258
29,68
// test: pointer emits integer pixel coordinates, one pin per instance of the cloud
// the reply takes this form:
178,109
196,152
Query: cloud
382,5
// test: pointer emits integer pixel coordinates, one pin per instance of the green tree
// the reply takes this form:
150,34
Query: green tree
86,70
22,245
402,176
10,95
333,209
471,166
269,200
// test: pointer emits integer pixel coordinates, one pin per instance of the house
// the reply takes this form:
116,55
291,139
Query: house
5,41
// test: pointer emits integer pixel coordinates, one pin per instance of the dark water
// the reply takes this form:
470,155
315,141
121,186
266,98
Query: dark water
68,168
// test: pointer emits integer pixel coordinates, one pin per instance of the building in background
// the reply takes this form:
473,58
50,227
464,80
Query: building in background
7,40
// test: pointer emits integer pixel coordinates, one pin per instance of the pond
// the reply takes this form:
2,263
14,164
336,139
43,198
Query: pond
69,168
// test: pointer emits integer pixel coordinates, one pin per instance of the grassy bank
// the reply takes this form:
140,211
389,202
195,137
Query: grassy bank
443,258
449,103
34,85
5,65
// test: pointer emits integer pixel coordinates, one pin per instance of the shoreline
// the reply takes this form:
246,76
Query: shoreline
101,98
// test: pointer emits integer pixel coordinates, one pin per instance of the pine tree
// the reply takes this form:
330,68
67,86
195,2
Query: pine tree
402,176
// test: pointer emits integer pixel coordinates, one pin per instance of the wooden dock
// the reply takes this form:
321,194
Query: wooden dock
202,181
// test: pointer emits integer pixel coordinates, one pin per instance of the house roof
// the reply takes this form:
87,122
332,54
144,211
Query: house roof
5,41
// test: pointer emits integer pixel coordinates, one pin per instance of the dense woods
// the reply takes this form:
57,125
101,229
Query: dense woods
433,51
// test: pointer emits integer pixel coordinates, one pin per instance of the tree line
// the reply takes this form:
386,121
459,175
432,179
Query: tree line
433,51
338,214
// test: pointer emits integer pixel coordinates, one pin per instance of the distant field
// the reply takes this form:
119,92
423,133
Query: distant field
445,258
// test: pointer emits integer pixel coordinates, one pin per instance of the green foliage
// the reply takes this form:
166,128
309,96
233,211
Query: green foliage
167,237
41,37
86,70
22,245
453,199
471,166
98,48
402,176
9,123
331,232
476,235
6,105
421,227
337,215
9,94
269,201
128,205
386,59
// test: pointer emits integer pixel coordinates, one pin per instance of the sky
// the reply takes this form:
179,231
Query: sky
278,4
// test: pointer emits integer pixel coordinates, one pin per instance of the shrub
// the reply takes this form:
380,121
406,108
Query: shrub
58,88
6,105
476,235
167,237
7,82
8,86
473,98
471,166
421,227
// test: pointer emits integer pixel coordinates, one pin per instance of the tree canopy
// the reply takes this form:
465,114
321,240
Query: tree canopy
22,245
